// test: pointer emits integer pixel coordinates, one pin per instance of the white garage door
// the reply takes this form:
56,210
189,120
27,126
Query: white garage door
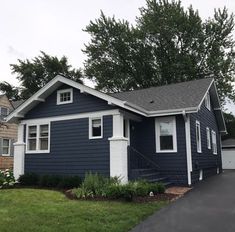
228,159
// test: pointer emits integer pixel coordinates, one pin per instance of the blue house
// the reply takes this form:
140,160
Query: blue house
171,132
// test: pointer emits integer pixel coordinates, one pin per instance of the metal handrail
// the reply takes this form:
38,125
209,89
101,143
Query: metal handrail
144,156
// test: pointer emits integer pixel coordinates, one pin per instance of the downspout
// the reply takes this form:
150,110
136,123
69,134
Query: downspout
188,146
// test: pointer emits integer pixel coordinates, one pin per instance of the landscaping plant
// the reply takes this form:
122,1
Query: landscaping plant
6,178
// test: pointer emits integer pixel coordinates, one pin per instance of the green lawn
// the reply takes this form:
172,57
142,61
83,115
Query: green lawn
44,210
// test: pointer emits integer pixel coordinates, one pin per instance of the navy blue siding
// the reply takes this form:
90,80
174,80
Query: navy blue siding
205,160
71,151
81,103
173,165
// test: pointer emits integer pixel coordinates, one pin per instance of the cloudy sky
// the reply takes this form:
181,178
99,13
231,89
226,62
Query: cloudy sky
55,26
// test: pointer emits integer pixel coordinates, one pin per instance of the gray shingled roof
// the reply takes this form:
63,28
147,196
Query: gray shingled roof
168,97
16,104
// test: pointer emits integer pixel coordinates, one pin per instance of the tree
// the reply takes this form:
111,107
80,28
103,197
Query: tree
230,124
11,91
168,45
34,74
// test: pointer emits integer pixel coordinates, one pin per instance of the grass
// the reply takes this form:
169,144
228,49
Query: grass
45,210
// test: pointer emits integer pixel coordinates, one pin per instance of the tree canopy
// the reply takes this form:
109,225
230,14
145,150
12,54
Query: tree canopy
168,44
34,74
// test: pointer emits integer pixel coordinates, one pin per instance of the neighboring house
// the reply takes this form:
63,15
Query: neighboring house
228,153
171,132
8,133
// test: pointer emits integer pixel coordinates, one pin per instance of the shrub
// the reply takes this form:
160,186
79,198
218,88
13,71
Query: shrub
161,188
69,182
29,179
6,178
94,182
82,192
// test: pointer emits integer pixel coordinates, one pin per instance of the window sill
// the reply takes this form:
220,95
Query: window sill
38,152
98,137
63,103
166,151
6,155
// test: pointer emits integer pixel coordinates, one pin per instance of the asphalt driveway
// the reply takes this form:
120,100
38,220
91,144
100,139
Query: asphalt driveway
210,206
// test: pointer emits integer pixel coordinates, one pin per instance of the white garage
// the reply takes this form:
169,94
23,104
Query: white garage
228,154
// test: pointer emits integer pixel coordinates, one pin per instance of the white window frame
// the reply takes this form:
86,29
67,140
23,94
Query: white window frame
208,138
208,101
157,134
214,137
64,91
37,138
198,143
90,128
9,148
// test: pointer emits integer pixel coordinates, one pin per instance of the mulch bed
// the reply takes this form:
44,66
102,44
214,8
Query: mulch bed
157,197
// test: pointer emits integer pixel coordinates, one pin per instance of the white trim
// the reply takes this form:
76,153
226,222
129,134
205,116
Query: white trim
214,137
90,128
198,143
70,90
37,137
206,94
126,129
72,116
188,148
157,134
201,174
208,138
9,148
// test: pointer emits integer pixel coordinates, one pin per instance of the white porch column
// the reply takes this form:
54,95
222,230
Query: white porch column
118,150
19,153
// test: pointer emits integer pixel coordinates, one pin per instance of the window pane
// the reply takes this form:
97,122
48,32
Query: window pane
6,142
5,150
166,128
32,144
96,127
44,144
65,96
32,131
4,111
166,142
44,131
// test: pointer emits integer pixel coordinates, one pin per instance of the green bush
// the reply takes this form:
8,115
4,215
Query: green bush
82,192
29,179
161,188
94,182
50,181
6,178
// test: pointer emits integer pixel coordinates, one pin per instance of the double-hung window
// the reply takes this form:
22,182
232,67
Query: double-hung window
6,147
208,138
166,140
38,138
95,128
214,142
198,137
208,101
64,96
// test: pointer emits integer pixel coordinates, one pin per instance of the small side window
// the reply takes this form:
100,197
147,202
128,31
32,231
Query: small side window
214,142
64,96
6,147
198,137
208,137
208,101
95,128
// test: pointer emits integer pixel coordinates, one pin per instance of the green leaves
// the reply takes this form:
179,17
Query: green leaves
169,44
34,74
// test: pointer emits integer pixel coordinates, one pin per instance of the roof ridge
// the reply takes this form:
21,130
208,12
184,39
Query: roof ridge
165,85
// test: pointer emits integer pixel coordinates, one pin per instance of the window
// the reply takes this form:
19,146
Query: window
64,96
126,129
38,138
214,142
95,128
207,101
198,137
208,137
6,147
166,134
4,111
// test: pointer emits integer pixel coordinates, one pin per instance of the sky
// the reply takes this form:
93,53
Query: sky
56,27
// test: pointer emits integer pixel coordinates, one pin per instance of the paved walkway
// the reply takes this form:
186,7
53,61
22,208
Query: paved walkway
209,207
